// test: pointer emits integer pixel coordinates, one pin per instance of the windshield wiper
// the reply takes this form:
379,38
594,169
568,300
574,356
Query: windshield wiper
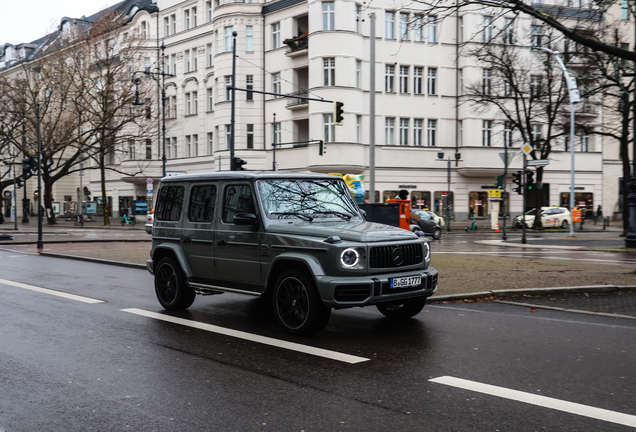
299,215
345,216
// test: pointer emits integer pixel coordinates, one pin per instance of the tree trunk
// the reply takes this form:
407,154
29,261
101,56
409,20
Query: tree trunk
538,199
102,172
48,203
624,155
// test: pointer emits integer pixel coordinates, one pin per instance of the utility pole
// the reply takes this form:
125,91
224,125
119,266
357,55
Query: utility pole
233,106
273,142
372,110
523,190
40,243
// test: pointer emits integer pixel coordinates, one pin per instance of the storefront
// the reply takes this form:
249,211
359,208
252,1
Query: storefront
583,200
478,204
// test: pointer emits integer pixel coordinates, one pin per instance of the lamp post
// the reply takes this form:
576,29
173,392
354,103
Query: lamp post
40,242
159,76
630,239
440,157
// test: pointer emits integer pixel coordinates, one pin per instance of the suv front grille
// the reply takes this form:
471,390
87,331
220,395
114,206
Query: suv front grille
389,256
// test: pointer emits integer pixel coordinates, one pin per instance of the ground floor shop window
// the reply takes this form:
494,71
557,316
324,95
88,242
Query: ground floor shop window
100,206
441,201
420,200
377,196
583,200
389,195
477,204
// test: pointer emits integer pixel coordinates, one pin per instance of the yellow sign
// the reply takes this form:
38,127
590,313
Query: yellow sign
494,193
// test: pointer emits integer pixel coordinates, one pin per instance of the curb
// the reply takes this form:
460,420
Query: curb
3,243
531,291
96,260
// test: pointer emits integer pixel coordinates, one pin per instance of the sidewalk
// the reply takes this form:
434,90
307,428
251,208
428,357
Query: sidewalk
64,224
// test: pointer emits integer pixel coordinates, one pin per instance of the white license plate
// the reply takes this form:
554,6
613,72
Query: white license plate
407,281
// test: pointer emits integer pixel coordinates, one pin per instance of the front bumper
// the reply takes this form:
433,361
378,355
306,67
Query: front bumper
343,292
150,265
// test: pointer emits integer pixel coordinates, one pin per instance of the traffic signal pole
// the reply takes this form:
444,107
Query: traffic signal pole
523,190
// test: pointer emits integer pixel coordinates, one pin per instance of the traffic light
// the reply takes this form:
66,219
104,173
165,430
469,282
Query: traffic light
529,180
323,148
516,178
338,113
238,164
18,183
499,181
26,167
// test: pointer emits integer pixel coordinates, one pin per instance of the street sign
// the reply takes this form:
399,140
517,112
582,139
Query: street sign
494,193
511,154
527,148
538,162
149,181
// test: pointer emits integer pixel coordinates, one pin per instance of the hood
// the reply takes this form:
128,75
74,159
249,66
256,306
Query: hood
359,231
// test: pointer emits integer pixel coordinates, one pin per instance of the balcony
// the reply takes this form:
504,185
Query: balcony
297,103
297,45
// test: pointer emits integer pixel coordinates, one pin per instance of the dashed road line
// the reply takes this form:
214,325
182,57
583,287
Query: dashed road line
542,401
51,292
319,352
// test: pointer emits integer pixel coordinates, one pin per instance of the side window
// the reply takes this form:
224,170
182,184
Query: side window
169,203
202,201
237,199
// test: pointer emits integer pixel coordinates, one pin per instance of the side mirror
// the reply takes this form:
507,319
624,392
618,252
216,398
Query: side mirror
245,219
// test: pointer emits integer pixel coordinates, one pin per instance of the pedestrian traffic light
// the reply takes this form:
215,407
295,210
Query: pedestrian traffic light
529,180
516,178
26,167
322,149
238,164
499,181
338,113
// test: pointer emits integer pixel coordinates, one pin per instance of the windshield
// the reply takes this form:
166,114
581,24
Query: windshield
307,199
531,212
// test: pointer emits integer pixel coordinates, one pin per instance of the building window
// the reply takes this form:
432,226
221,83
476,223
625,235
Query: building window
228,136
276,84
507,134
358,73
188,146
148,149
432,81
210,99
173,23
404,131
460,134
432,133
460,24
194,16
389,25
358,17
249,38
418,73
228,90
276,133
418,125
535,85
329,71
329,130
509,31
431,29
537,132
144,30
186,19
478,204
276,35
389,131
209,48
186,59
229,39
173,148
173,60
487,29
249,85
404,26
250,136
507,88
388,78
404,79
328,11
194,59
417,29
131,149
188,103
624,9
486,133
208,11
461,81
585,143
358,128
195,103
210,143
536,33
166,23
195,145
487,82
173,109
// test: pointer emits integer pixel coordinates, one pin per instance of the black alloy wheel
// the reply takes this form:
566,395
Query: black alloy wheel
402,309
565,224
437,233
297,306
170,286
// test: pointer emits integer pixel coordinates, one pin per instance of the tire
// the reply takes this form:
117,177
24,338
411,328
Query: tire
437,234
170,286
565,224
133,221
297,306
402,309
123,222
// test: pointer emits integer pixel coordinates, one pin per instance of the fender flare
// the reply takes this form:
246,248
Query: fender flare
179,255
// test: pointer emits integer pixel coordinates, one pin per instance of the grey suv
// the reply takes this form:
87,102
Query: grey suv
298,240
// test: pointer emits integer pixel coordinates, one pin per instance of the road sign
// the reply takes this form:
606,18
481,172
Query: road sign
149,181
527,148
538,162
511,154
494,193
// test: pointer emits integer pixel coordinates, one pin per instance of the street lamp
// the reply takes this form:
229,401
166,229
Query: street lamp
440,157
160,78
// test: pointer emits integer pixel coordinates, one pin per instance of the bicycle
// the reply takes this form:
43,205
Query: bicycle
128,220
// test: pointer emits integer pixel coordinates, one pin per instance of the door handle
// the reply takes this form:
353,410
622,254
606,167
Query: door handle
187,239
222,243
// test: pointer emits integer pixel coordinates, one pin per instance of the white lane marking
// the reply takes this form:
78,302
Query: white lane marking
51,292
319,352
542,401
17,256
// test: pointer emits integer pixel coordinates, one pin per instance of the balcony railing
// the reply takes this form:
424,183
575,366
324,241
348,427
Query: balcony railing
298,43
294,103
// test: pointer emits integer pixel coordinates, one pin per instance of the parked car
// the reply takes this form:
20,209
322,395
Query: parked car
425,221
439,219
150,221
551,217
297,240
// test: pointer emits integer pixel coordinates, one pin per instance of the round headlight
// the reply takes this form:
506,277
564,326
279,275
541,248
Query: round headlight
427,251
349,257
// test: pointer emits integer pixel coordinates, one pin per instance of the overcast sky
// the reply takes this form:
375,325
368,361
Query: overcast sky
27,20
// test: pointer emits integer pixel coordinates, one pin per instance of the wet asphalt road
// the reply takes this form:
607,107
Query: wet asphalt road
75,366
